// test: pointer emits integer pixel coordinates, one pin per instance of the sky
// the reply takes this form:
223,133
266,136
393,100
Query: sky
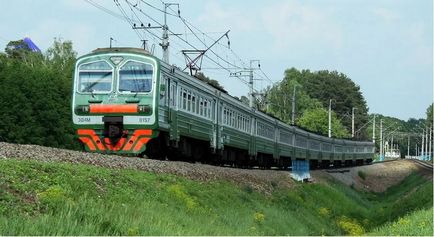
384,46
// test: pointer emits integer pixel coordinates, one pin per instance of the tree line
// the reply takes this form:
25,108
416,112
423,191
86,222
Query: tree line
313,93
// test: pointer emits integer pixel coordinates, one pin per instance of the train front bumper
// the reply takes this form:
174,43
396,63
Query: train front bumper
129,142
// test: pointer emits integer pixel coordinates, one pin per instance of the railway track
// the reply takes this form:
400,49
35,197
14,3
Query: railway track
424,164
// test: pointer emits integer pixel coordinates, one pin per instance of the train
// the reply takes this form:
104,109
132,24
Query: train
127,101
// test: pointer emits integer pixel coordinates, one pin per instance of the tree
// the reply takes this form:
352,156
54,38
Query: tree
61,55
316,120
429,115
325,85
209,81
19,50
35,101
279,100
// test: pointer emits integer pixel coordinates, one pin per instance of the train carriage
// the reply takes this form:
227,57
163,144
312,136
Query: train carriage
126,101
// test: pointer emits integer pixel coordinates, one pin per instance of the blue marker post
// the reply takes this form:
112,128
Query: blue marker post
300,170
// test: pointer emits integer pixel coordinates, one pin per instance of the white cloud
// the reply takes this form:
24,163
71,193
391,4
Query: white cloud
44,33
216,16
386,14
293,24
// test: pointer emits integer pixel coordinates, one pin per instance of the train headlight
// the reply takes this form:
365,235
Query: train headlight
145,109
82,109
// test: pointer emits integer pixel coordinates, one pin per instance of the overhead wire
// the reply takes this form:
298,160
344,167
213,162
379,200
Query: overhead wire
187,24
149,31
188,43
244,65
129,20
110,12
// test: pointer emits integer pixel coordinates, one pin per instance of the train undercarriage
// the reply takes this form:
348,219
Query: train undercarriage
193,150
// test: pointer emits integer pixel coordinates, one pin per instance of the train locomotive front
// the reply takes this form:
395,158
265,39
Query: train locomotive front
115,102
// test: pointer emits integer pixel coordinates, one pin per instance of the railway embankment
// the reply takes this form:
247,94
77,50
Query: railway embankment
47,191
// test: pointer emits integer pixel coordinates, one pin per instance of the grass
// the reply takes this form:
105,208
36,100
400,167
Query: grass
417,223
38,198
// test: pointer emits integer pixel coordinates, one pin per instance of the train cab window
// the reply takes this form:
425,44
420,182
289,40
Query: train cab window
135,77
95,77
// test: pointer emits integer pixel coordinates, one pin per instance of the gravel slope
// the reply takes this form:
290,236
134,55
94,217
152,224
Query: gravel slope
377,176
261,180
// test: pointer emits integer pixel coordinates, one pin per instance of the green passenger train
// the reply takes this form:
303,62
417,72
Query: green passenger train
126,101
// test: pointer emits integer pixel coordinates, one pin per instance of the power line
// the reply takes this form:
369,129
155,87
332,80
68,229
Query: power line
177,35
108,11
129,20
188,24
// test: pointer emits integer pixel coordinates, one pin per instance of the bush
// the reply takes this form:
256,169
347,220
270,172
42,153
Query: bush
350,226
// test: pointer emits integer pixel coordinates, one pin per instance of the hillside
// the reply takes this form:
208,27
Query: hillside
45,191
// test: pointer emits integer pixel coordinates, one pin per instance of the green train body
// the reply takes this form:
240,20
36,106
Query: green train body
126,101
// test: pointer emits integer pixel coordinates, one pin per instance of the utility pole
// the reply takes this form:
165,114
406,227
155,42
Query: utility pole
430,143
352,122
381,140
251,95
408,146
423,143
165,37
251,86
426,143
330,118
293,106
373,131
248,72
391,146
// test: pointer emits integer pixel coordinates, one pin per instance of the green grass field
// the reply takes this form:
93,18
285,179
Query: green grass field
415,223
38,198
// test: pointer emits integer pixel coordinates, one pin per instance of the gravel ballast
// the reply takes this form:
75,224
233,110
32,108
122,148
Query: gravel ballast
261,180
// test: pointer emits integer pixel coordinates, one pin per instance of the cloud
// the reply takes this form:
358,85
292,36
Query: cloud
386,14
216,16
293,24
45,32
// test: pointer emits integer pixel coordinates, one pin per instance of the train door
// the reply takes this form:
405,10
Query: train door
252,148
163,109
173,111
215,125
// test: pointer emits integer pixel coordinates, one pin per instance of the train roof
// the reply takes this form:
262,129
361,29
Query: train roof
123,49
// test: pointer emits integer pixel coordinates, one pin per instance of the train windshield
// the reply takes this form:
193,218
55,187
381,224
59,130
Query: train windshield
95,77
135,77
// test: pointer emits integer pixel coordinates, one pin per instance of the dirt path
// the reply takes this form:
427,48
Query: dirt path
376,177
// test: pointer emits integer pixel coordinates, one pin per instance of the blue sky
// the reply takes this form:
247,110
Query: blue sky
384,46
